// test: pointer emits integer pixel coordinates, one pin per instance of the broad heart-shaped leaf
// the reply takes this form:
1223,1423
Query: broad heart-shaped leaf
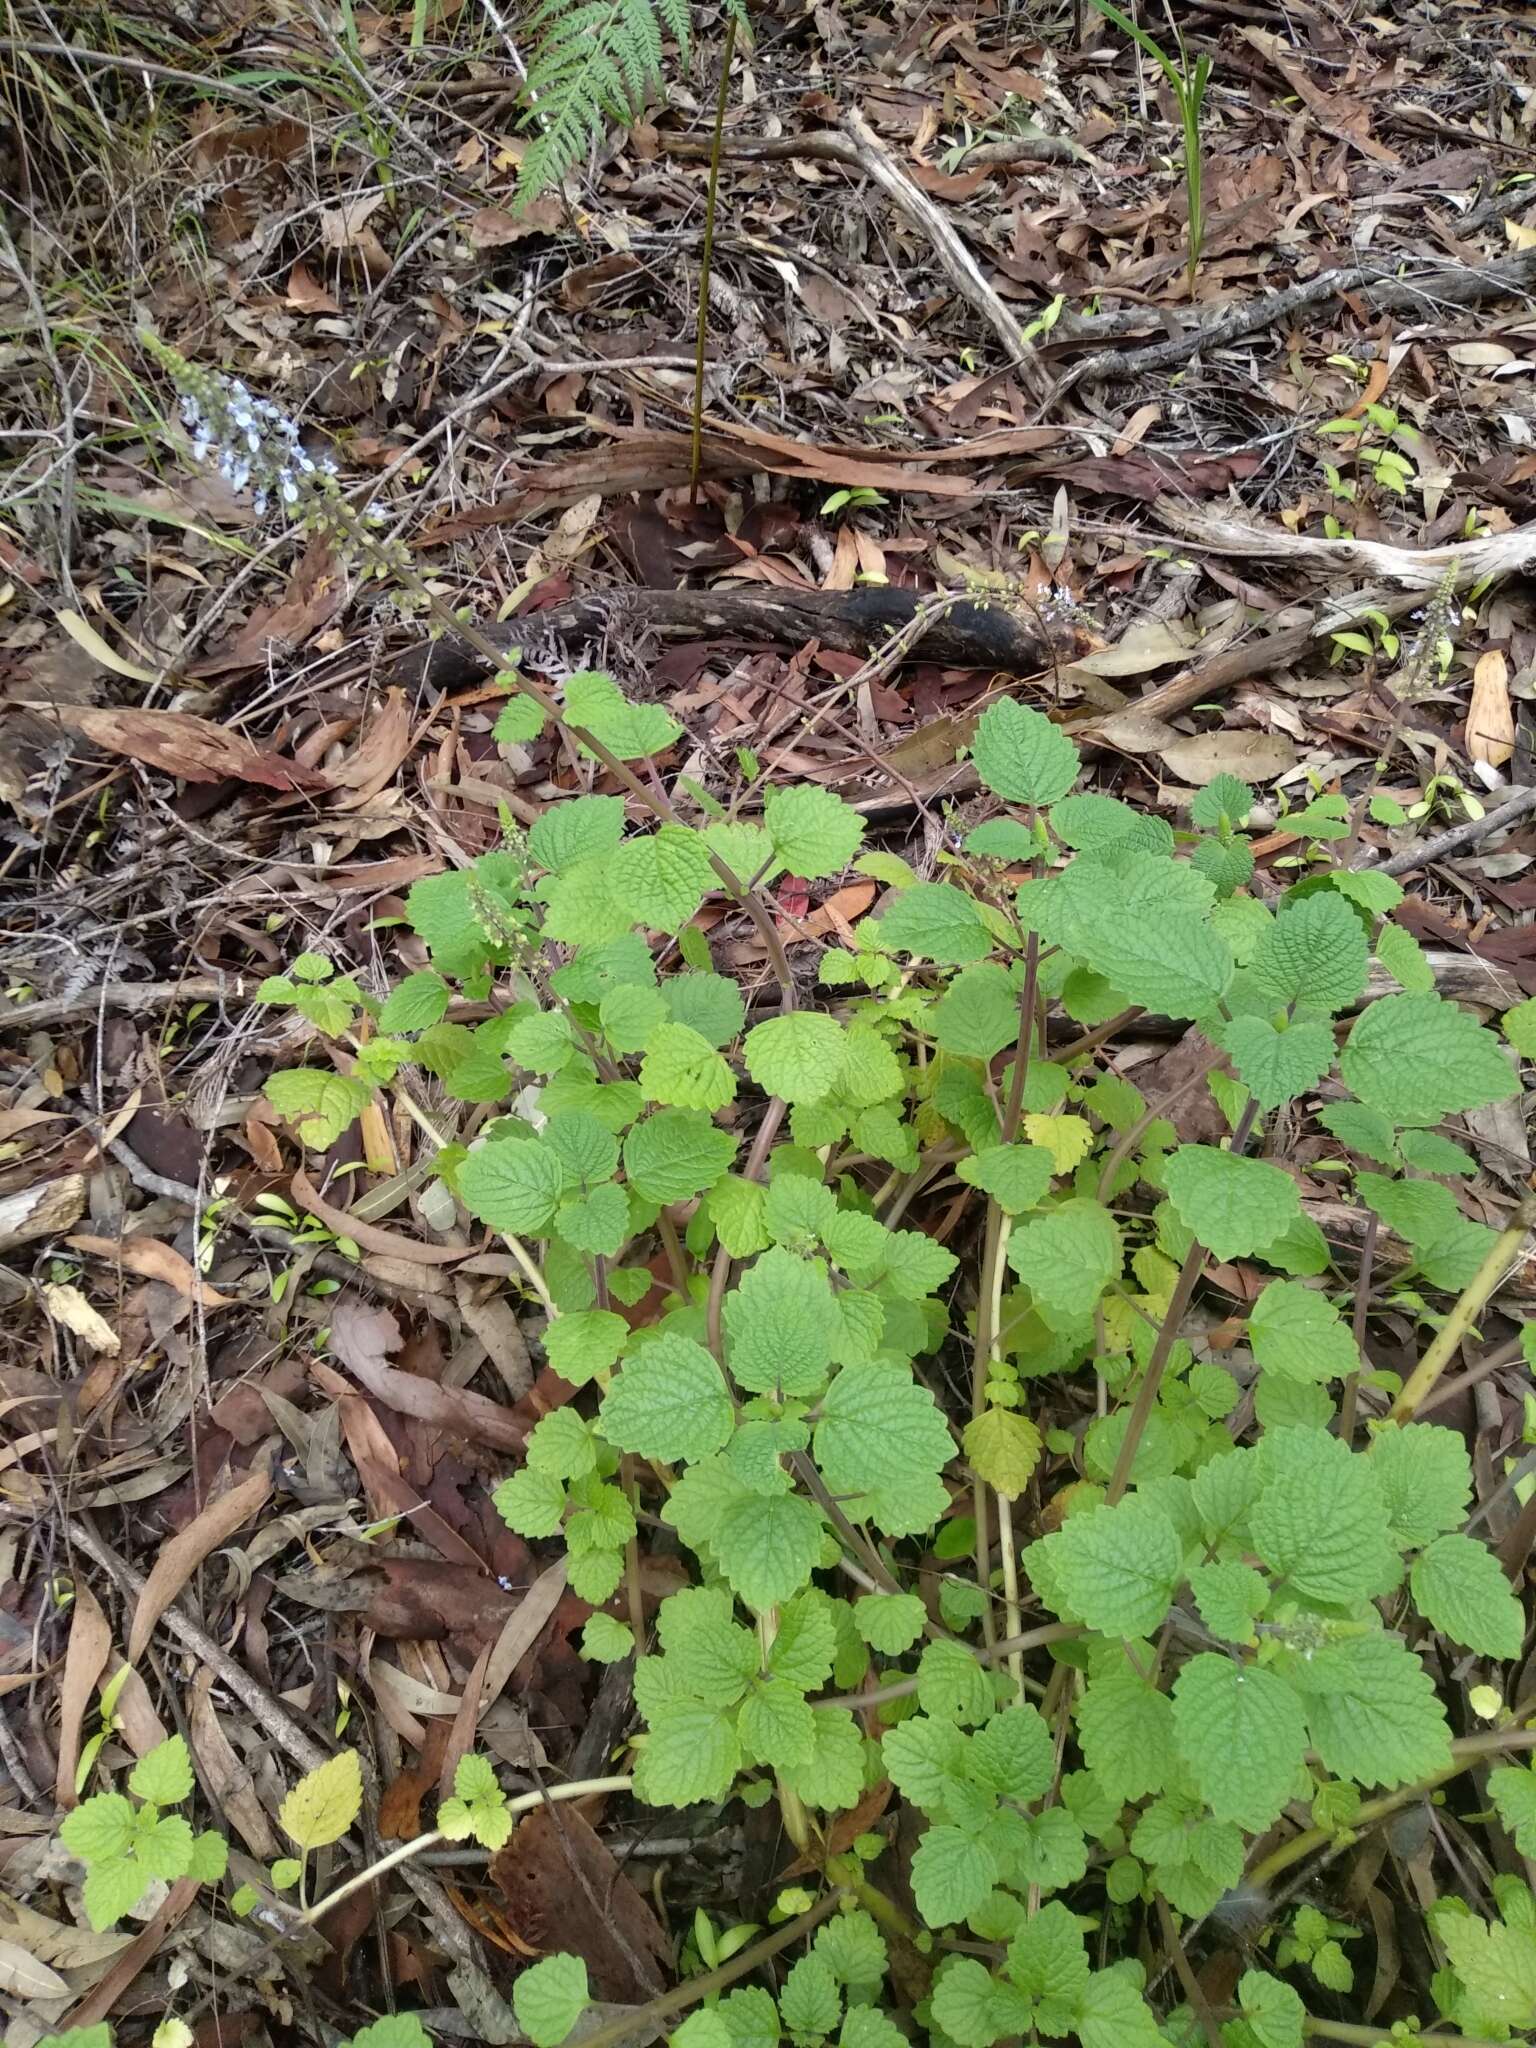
933,921
951,1874
1142,926
1067,1257
706,1003
890,1622
1242,1735
1496,1965
1021,756
881,1444
1013,1754
597,1223
691,1752
1371,1709
163,1847
1425,1477
1278,1065
325,1803
550,1998
1017,1177
1233,1206
1125,1729
1096,823
663,878
1513,1791
100,1830
814,832
684,1069
675,1154
1113,2013
799,1057
419,1000
767,1547
1117,1567
668,1401
164,1775
1459,1587
594,702
395,2030
1419,1058
581,828
782,1323
111,1890
585,1343
1275,2014
1229,1595
1299,1334
320,1105
1313,954
514,1184
1319,1521
777,1724
978,1014
810,2002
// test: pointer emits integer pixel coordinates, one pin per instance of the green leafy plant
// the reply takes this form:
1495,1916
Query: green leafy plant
1188,79
126,1843
1382,444
1135,1628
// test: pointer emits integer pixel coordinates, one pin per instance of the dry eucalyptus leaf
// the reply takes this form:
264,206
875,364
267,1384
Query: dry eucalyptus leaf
1155,643
1251,756
1490,715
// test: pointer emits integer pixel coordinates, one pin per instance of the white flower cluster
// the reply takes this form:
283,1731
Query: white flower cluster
254,444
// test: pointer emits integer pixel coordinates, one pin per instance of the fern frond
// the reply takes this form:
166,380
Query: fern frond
592,62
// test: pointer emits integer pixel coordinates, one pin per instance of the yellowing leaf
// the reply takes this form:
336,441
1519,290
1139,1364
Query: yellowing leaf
1068,1139
1520,237
1003,1449
85,635
322,1806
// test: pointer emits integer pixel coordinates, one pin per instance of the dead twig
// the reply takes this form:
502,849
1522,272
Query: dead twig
1467,833
1453,285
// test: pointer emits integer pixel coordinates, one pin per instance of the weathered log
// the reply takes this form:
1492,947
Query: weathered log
985,636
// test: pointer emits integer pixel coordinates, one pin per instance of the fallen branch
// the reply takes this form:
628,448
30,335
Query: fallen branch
1467,833
1449,284
852,621
1499,554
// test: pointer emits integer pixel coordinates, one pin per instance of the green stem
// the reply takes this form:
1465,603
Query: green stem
1178,1307
995,1653
1368,2037
525,1802
706,261
1473,1300
643,2020
1464,1754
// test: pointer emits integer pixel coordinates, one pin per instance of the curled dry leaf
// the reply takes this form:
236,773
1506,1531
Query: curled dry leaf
175,742
90,1645
362,1338
186,1550
151,1260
